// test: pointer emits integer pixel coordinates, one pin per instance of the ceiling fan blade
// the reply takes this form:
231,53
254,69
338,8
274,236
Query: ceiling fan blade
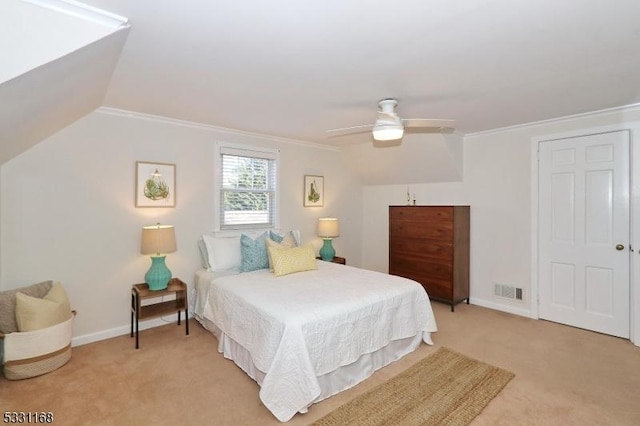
349,130
429,123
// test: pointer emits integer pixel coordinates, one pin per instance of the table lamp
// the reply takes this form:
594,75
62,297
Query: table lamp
328,228
157,240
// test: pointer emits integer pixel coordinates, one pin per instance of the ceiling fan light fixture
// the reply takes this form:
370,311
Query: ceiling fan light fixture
389,132
390,127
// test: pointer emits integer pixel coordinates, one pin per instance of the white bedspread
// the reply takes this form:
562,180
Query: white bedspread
300,326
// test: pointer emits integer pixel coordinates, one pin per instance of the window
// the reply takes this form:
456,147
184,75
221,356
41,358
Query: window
247,187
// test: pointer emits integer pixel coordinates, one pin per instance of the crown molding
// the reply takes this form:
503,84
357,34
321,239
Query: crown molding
82,11
211,128
623,108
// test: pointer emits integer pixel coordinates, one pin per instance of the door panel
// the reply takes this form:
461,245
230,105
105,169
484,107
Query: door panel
583,215
563,284
562,216
600,291
599,220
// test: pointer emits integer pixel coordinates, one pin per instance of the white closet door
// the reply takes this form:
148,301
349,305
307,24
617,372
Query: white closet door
584,232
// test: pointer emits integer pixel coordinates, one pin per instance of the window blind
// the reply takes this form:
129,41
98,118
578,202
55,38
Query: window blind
248,180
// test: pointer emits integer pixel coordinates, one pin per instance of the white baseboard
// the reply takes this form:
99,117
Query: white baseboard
523,312
122,330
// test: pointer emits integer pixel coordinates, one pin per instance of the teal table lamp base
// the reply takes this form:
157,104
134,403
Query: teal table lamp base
158,275
327,252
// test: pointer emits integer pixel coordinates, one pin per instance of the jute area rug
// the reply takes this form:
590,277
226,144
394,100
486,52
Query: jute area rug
445,388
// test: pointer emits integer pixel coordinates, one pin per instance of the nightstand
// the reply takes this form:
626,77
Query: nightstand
140,292
336,259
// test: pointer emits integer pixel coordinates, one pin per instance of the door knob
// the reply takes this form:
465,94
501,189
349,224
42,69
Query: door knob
620,247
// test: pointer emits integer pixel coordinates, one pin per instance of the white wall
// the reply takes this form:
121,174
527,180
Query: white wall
67,208
495,173
497,185
416,158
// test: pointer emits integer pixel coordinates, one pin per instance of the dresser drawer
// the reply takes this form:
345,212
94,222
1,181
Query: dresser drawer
420,247
419,214
435,288
420,266
436,231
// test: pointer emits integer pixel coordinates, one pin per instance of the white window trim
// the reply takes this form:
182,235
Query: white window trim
268,153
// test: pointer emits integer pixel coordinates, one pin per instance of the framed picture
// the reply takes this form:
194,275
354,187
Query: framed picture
313,191
155,184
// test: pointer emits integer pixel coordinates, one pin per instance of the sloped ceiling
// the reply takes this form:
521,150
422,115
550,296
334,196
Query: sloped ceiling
295,69
60,68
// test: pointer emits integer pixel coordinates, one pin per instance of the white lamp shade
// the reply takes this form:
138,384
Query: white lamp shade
328,227
158,239
389,132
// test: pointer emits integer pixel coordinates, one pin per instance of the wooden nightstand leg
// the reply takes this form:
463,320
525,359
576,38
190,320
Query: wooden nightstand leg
137,323
178,317
186,319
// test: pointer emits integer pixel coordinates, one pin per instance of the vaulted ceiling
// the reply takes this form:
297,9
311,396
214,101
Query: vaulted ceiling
298,68
295,69
56,63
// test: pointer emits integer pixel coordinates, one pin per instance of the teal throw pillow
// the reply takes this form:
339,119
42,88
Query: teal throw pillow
288,239
254,253
275,237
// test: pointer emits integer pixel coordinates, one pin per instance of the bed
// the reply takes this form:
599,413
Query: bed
309,335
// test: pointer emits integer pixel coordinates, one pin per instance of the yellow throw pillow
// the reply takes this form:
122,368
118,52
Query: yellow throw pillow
287,242
58,295
33,313
290,260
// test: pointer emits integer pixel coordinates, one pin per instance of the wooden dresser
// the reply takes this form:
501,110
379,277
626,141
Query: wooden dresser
430,244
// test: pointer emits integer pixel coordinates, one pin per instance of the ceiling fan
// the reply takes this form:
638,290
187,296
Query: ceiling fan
389,126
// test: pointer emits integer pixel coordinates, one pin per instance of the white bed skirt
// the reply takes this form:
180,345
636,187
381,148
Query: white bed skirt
331,383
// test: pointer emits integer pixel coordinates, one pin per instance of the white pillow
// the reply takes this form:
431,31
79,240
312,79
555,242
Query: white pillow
223,252
204,256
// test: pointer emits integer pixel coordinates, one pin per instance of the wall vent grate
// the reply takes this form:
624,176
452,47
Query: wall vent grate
507,291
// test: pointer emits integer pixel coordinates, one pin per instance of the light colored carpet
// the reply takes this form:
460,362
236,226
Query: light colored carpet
446,388
564,376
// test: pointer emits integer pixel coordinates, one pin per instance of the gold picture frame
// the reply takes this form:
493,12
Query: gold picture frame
155,184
